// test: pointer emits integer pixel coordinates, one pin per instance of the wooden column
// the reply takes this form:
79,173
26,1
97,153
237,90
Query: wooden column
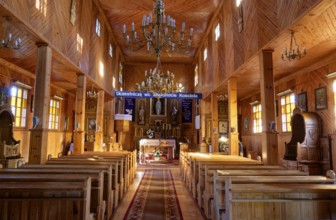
233,116
269,139
79,133
203,122
99,122
214,119
39,134
110,124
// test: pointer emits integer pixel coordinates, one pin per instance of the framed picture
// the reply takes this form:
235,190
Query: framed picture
302,101
321,98
222,127
158,107
91,124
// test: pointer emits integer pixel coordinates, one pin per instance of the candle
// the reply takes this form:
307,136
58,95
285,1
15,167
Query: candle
124,29
191,31
132,26
150,18
183,26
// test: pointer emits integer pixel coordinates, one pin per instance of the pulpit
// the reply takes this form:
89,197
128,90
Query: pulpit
303,147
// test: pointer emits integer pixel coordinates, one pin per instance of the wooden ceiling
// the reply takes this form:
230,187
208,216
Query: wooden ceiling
196,14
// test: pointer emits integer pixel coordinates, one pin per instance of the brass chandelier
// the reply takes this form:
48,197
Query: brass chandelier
158,81
294,51
158,33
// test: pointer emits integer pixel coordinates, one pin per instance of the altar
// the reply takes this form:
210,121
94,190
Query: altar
147,146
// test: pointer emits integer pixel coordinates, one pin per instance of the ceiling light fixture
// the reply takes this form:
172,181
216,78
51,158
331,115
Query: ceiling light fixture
293,53
158,32
8,40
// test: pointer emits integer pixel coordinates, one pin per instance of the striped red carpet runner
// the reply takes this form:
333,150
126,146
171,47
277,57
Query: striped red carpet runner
155,198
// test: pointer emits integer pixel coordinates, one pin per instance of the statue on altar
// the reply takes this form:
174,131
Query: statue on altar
174,115
158,107
142,115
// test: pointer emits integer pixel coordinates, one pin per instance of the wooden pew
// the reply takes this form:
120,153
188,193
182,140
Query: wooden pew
116,168
120,160
205,185
129,162
221,178
112,175
132,155
45,200
197,160
108,193
97,205
280,201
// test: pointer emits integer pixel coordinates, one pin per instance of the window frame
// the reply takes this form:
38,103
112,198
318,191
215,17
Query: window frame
257,118
98,27
217,32
54,124
21,107
288,107
205,54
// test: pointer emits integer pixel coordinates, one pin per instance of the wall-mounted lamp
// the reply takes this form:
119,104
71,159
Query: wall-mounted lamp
58,97
285,92
331,75
255,102
22,85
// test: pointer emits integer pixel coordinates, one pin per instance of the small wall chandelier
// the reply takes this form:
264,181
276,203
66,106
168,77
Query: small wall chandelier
8,40
293,53
158,81
91,94
158,32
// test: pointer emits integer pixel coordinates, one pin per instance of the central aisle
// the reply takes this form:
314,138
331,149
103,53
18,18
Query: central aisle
188,207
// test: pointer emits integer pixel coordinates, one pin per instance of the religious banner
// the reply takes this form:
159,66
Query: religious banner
130,107
168,95
186,110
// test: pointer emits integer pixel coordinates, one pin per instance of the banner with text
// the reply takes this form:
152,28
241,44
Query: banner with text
186,110
178,95
130,107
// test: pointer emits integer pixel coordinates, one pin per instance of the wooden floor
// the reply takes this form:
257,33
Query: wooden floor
188,206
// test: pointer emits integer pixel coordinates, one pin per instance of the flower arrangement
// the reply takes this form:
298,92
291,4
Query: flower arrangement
157,152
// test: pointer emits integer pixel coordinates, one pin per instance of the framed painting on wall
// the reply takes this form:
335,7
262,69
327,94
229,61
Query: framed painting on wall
222,127
302,101
321,98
